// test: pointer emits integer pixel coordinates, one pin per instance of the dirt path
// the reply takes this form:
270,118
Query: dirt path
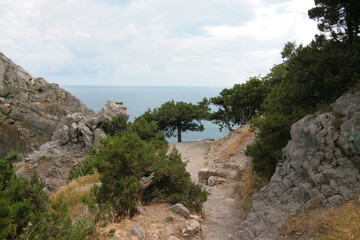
223,210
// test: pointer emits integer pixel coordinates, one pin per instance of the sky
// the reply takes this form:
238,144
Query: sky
151,42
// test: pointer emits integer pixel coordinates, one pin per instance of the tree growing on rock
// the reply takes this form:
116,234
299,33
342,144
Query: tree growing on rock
132,173
177,117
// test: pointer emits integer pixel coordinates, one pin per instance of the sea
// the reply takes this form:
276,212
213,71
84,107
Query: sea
139,99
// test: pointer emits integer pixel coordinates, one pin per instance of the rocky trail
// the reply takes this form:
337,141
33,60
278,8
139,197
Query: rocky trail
216,166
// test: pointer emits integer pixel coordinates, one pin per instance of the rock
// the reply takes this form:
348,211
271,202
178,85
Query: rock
138,231
98,134
169,218
205,173
110,110
173,238
192,228
214,181
54,172
34,106
318,163
180,209
62,133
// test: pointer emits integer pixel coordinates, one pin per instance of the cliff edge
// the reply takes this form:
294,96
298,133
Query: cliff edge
30,108
320,164
51,129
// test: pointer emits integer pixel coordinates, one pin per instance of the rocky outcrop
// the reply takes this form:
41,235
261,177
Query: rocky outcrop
74,137
30,108
320,165
51,128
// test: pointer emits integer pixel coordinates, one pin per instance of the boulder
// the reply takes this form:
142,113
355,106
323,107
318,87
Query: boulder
139,232
205,173
180,209
214,181
192,228
98,134
110,110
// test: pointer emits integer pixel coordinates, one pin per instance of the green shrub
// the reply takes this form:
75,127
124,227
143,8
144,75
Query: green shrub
116,125
25,212
123,161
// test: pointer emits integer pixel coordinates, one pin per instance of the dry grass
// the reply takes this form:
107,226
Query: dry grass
234,145
249,184
74,193
331,224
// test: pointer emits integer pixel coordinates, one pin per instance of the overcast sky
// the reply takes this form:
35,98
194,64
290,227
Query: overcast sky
151,42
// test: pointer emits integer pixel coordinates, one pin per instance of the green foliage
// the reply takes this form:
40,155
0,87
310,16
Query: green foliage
176,117
341,18
124,160
173,183
143,126
237,105
316,75
114,126
85,167
24,212
149,131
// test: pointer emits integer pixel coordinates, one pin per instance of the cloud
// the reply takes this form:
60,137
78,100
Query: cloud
151,42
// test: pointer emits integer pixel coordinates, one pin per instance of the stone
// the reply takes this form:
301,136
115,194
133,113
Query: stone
54,172
192,228
312,168
173,238
98,134
181,210
205,173
110,110
34,103
62,133
138,231
214,181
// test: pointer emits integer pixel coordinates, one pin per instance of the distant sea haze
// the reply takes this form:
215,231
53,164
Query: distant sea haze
140,98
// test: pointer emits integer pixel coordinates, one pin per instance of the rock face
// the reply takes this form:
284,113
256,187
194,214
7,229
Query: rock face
51,128
30,108
320,165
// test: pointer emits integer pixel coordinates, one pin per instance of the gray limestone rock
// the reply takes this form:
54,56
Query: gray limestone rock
312,168
192,228
205,173
98,134
180,209
110,110
214,181
139,232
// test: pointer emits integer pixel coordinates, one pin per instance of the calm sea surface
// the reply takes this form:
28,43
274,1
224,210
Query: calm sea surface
139,99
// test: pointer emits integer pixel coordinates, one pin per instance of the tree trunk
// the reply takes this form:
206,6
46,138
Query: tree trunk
227,119
179,132
145,182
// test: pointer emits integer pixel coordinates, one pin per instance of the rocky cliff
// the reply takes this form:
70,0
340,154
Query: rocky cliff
30,108
320,165
50,128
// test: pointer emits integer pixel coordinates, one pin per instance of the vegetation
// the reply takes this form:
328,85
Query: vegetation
309,78
134,168
124,162
173,118
26,212
334,223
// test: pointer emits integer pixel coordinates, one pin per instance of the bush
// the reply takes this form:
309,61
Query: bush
24,209
149,132
116,125
124,161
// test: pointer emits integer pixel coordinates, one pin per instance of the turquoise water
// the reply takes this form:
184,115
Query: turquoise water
139,99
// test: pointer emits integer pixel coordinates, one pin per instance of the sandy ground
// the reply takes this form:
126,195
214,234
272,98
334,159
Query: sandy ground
193,153
223,210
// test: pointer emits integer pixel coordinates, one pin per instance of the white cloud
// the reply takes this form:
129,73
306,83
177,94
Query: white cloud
151,42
